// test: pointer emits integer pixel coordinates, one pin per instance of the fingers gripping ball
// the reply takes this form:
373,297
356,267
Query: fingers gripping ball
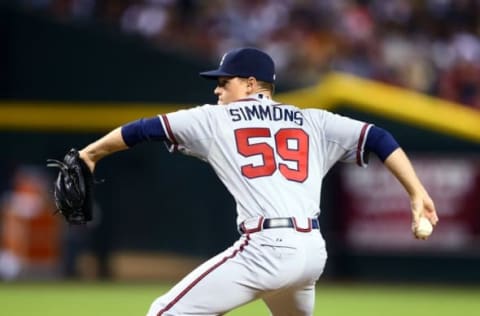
73,188
424,228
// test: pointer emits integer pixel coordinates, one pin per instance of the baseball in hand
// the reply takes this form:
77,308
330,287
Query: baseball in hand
424,228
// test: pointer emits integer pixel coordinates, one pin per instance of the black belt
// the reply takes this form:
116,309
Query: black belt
280,222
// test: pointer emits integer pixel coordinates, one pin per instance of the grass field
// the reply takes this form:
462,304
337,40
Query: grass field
131,299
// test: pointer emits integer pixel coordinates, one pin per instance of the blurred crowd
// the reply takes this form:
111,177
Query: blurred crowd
431,46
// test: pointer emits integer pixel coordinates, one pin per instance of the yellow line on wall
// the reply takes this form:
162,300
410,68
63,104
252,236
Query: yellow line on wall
74,117
334,90
407,106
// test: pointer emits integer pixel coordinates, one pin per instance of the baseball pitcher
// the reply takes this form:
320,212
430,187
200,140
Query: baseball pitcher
272,158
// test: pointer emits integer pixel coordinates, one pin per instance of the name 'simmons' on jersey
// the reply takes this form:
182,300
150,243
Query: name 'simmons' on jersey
272,113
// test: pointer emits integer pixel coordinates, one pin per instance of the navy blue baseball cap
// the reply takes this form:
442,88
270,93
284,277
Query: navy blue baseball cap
244,62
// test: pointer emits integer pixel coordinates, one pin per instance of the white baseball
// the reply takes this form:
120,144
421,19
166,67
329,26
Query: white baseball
424,228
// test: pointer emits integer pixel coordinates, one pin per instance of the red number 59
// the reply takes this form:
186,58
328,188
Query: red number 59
298,153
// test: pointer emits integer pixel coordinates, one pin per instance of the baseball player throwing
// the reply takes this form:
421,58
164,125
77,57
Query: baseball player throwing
272,158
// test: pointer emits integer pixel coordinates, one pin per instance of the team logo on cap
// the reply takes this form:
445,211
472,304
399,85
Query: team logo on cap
223,58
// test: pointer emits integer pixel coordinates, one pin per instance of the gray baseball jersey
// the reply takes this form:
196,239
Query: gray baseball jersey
272,158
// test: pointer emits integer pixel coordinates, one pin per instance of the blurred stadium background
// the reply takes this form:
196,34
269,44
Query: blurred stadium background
70,70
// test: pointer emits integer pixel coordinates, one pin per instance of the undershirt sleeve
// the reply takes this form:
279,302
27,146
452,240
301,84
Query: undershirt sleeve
380,142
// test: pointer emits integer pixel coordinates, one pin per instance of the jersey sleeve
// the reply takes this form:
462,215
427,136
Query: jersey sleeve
344,139
189,131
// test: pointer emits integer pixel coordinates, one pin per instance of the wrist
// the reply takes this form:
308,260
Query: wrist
88,158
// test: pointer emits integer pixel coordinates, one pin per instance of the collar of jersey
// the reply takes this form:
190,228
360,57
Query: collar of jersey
258,97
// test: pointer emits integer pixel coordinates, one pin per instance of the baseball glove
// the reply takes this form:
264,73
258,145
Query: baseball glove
73,188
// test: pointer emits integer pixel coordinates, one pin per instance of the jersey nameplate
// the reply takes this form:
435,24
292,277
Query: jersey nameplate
271,113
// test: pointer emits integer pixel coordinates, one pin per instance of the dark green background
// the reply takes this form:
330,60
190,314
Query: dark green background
153,200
